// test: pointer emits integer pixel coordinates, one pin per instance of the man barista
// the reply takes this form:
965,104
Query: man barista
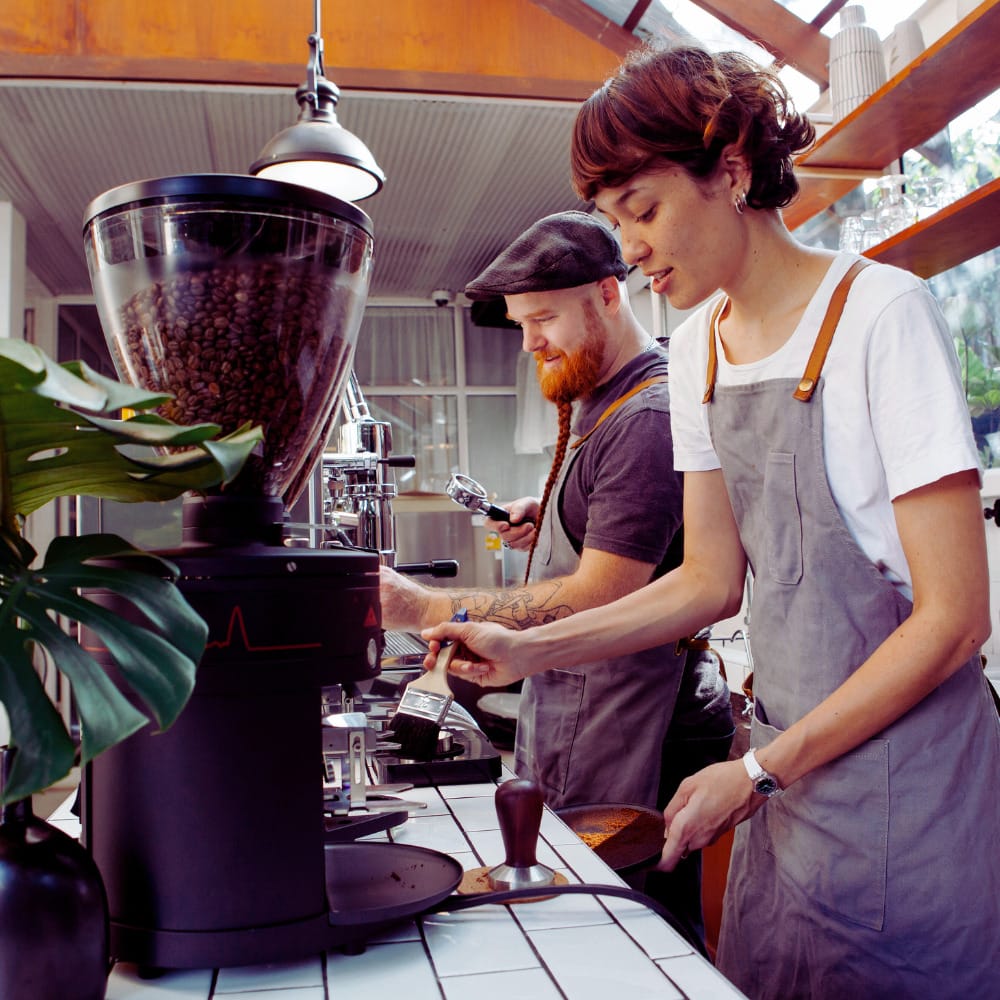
631,728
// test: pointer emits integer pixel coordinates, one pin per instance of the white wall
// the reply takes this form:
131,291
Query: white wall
13,235
12,275
27,308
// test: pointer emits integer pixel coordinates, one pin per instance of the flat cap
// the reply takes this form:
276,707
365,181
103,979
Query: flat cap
560,251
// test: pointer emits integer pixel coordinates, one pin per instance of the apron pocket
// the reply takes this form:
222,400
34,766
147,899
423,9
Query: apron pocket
782,519
829,832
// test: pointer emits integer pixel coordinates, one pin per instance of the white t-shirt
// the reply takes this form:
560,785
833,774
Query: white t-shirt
894,413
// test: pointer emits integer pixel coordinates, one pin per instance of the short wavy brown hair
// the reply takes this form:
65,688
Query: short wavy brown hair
683,105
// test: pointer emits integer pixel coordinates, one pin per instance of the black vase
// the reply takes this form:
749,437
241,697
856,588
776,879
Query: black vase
53,913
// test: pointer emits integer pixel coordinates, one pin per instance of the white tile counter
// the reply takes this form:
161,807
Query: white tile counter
574,947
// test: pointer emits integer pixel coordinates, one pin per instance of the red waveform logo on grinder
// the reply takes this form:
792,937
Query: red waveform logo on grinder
236,622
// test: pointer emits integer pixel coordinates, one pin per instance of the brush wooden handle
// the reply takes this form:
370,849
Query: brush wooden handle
436,679
438,674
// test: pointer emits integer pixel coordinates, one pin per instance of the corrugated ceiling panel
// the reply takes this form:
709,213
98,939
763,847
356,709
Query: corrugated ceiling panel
464,176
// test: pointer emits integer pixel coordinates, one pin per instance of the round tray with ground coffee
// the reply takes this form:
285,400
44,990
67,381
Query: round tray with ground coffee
625,837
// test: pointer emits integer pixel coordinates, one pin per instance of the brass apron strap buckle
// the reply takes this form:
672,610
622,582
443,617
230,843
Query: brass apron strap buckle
700,643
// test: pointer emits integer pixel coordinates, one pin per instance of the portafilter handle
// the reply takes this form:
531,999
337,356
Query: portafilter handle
519,805
467,493
433,567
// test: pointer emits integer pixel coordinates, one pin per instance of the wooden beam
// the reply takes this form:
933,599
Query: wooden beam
592,24
788,38
473,47
636,15
827,13
854,174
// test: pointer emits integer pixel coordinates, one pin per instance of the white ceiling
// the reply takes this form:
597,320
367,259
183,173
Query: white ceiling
464,175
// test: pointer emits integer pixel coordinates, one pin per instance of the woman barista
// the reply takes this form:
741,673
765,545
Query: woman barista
823,433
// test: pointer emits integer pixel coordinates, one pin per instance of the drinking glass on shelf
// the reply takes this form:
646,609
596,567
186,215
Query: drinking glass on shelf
859,233
852,234
894,209
928,195
875,232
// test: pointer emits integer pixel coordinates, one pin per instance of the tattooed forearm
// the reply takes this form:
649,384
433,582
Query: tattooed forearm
520,609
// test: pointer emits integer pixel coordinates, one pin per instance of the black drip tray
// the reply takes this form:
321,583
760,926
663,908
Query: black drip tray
471,760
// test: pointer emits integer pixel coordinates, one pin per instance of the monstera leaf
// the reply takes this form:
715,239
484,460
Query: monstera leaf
59,437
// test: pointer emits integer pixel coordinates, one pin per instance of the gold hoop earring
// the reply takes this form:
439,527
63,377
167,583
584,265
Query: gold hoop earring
740,203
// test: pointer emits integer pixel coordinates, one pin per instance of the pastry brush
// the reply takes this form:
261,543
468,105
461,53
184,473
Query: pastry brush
424,705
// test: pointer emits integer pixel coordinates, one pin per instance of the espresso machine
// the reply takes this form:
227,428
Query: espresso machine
241,298
358,486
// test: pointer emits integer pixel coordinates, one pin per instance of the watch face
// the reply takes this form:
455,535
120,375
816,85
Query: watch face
766,786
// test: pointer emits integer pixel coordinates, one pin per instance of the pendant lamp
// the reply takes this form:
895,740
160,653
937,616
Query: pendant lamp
317,151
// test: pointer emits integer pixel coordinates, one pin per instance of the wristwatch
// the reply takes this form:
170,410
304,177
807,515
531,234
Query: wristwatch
763,783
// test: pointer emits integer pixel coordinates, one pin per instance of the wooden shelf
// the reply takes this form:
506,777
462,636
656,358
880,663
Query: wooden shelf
959,232
960,69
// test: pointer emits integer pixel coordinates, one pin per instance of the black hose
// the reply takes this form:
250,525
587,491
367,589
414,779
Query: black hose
464,902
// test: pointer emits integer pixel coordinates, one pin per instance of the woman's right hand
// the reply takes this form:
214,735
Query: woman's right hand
705,805
489,653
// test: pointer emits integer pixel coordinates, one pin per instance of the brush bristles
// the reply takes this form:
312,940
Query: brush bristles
417,723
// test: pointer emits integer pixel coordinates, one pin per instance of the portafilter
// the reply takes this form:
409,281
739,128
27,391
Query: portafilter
467,493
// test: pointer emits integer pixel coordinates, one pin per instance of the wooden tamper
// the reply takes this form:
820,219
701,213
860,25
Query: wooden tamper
519,809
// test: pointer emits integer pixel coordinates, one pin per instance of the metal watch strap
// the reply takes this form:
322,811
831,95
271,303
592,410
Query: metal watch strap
763,783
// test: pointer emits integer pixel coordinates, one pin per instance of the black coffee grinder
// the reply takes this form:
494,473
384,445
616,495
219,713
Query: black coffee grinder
242,298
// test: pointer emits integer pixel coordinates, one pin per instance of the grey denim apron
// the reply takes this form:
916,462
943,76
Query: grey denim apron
594,733
875,875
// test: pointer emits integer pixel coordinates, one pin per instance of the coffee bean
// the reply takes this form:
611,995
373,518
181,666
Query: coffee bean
245,342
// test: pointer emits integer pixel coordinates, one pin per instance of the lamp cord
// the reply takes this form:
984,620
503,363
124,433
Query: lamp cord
315,70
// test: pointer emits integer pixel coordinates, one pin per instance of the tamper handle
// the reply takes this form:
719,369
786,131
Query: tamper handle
519,809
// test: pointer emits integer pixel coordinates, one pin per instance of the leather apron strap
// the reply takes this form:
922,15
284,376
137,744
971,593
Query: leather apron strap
713,361
655,380
814,365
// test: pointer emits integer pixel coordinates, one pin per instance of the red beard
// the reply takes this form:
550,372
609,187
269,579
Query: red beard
579,371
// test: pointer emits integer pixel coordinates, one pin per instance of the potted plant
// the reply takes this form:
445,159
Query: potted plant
61,435
981,381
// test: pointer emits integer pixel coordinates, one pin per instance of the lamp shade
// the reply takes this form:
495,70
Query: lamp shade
321,154
317,151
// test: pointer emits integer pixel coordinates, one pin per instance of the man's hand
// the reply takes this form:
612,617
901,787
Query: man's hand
519,533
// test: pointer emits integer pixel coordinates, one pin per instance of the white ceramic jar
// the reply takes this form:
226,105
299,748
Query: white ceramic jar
857,64
903,46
